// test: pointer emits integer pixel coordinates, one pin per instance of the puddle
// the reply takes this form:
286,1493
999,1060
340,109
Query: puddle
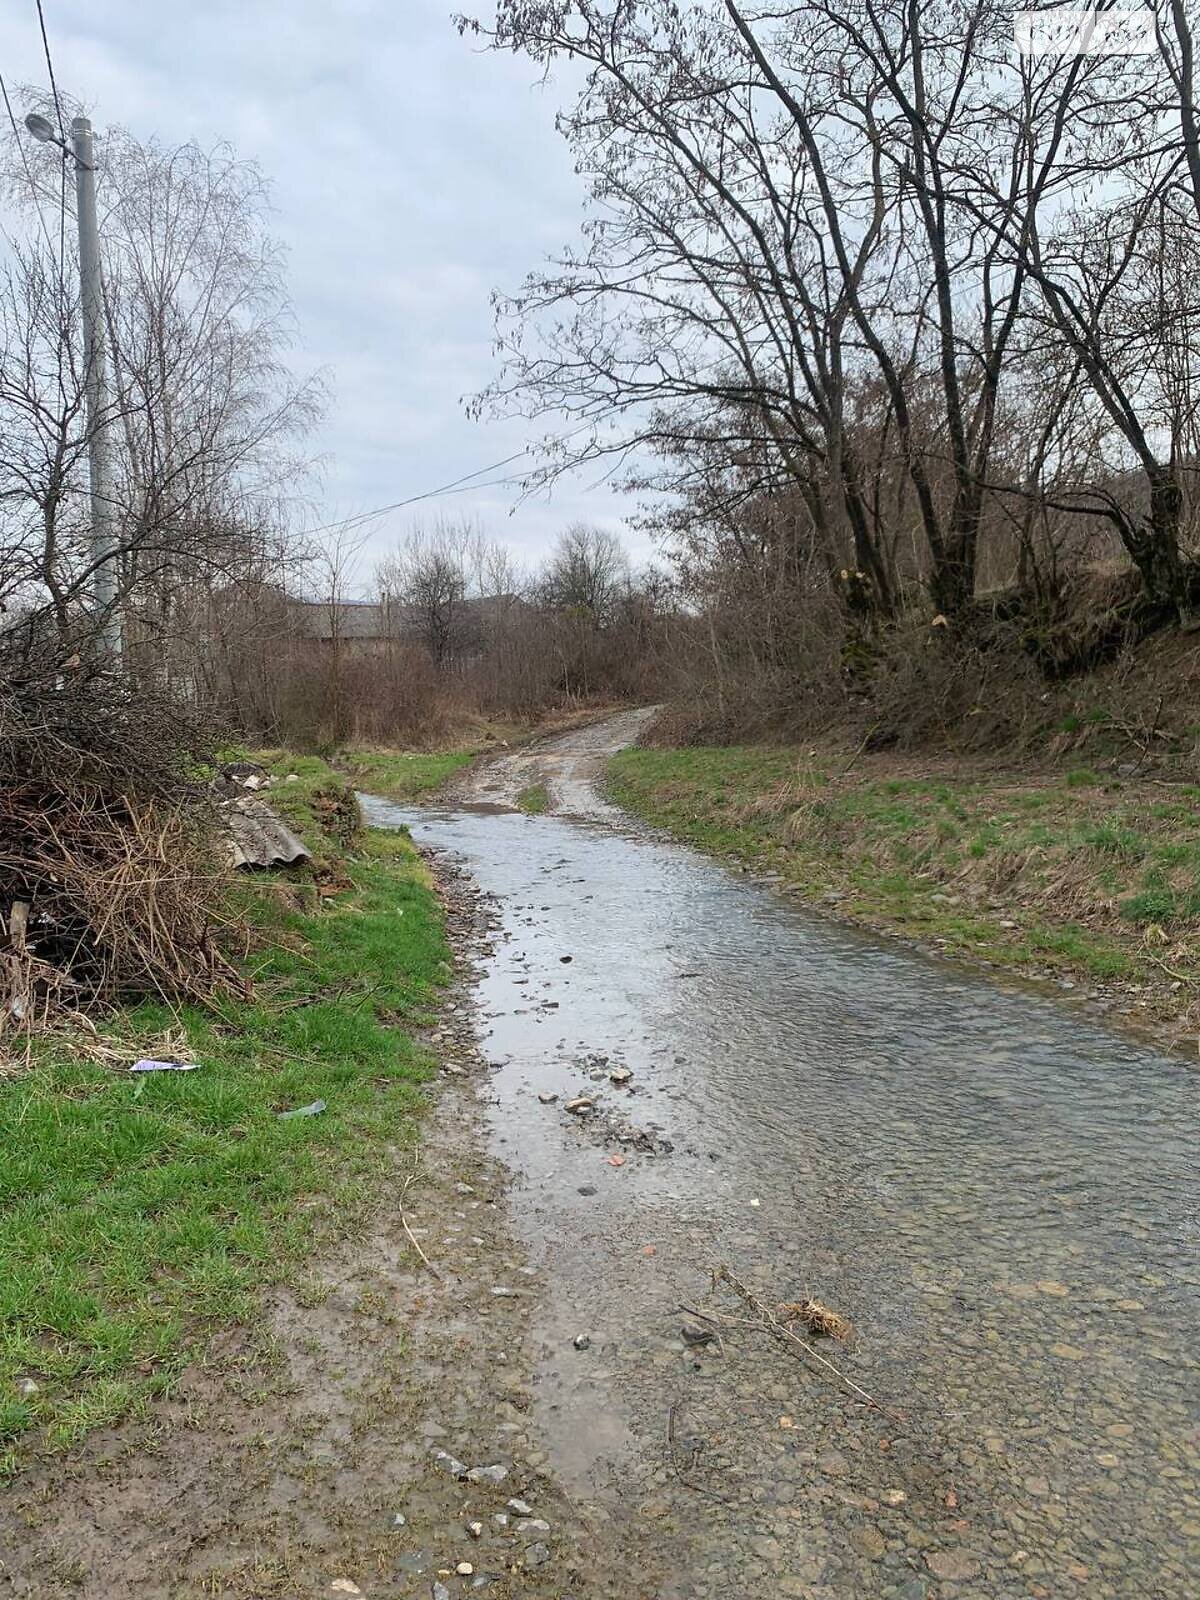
1003,1200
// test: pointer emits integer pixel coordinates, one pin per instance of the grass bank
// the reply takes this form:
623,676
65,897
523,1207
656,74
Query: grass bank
138,1214
405,775
1087,879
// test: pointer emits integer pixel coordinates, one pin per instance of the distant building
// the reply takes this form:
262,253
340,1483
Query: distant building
368,627
364,626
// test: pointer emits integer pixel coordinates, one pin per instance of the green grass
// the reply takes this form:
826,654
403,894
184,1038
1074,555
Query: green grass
137,1215
400,776
1075,868
535,799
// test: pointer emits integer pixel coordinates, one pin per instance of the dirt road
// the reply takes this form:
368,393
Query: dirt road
569,765
676,1107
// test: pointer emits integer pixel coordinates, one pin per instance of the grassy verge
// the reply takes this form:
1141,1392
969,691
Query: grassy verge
138,1214
1067,874
535,799
402,775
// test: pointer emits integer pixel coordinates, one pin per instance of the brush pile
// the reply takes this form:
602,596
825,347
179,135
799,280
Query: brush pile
111,867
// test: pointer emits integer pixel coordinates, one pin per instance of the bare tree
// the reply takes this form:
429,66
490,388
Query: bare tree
586,572
428,579
43,442
207,422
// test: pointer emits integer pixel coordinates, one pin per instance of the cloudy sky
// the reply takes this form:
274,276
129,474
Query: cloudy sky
411,174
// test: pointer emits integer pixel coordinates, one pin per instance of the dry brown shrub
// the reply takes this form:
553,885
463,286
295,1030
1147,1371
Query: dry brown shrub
112,867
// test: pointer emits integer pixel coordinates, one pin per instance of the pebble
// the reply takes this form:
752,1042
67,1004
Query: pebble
475,1529
440,1592
547,1098
399,1520
520,1508
870,1541
449,1463
951,1566
536,1555
533,1525
1067,1352
496,1473
579,1105
500,1521
502,1293
464,1569
582,1341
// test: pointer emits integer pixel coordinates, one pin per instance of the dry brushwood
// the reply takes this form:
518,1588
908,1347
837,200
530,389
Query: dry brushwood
817,1318
774,1321
110,874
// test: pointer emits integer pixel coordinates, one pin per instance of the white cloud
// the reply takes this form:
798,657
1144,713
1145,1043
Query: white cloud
411,174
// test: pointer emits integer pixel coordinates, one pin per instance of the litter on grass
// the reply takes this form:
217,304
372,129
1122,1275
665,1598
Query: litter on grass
313,1110
165,1066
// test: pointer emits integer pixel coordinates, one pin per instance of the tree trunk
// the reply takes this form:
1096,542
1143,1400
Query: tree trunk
1156,549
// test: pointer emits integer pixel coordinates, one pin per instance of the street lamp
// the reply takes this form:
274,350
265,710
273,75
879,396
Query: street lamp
104,571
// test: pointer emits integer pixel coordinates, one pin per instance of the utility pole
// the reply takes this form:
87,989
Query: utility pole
91,284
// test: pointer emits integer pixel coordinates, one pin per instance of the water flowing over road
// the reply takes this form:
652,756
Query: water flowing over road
1003,1199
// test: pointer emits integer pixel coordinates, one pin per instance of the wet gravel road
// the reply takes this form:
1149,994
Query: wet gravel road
1002,1199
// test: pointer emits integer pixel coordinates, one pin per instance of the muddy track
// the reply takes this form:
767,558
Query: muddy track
322,1451
569,765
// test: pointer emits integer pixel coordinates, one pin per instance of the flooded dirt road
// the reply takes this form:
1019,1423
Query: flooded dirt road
1002,1199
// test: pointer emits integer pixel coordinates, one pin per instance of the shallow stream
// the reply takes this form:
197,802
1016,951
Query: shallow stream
1003,1200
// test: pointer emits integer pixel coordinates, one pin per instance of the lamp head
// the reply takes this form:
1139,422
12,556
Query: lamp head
40,128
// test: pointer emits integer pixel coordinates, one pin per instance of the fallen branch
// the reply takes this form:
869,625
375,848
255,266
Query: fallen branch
1180,977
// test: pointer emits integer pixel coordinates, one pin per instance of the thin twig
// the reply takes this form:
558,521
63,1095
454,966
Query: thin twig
412,1238
1180,977
782,1332
685,1474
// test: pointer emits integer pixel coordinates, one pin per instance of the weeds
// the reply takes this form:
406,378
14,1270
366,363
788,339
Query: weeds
534,800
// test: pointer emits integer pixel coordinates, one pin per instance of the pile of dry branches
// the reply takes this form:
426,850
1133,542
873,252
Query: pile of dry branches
110,870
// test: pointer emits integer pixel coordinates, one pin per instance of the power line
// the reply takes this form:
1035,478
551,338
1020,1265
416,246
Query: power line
456,486
62,133
461,485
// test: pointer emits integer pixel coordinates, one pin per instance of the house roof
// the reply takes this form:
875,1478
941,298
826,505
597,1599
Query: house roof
381,619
